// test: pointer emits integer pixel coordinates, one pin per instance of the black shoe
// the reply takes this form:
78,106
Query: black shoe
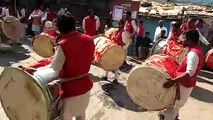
115,81
105,78
18,43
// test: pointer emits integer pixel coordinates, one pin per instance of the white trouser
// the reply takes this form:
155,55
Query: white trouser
116,74
171,113
74,107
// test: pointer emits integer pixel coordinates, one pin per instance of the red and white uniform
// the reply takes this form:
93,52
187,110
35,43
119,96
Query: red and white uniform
119,38
192,65
185,27
36,17
91,25
71,62
49,16
130,26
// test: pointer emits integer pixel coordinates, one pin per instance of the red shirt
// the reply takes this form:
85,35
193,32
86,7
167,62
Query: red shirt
51,16
183,66
140,31
185,27
78,50
118,38
129,27
90,26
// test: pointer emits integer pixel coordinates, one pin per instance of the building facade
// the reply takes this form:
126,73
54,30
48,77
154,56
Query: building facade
195,1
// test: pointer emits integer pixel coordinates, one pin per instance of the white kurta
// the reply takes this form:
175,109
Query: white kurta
158,31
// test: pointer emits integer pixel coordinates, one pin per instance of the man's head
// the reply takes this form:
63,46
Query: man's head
141,22
192,23
121,24
147,34
190,38
176,26
65,22
161,22
200,23
128,15
91,12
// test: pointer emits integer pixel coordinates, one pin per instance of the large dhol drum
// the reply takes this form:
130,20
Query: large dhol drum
171,48
13,28
145,83
159,47
108,55
28,97
44,44
209,59
112,32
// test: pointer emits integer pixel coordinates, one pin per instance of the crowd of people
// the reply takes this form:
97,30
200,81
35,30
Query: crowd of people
78,85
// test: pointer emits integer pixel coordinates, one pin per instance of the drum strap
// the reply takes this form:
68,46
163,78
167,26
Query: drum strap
178,92
64,80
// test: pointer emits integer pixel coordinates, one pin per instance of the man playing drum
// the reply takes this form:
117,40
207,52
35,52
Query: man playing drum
9,10
186,73
73,66
119,39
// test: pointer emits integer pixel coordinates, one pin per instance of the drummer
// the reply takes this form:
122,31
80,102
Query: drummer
9,10
186,74
119,39
73,66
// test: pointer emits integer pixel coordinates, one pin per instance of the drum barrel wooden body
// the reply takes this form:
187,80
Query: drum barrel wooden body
30,93
209,59
13,29
44,43
108,55
145,83
171,48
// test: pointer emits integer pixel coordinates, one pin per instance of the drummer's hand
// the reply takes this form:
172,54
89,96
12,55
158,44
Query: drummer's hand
29,70
169,83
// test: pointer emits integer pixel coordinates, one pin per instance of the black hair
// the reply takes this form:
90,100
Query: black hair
128,13
121,21
201,20
192,36
91,10
141,21
177,24
65,22
147,33
192,19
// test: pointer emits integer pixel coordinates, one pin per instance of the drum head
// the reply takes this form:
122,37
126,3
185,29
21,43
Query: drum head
22,97
112,58
158,47
145,87
43,46
14,29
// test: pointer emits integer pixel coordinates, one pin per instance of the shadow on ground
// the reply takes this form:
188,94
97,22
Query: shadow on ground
119,95
18,53
202,94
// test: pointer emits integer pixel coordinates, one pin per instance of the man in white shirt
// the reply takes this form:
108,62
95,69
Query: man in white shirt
185,74
159,29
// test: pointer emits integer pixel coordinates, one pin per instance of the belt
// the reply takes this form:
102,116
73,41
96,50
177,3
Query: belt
64,80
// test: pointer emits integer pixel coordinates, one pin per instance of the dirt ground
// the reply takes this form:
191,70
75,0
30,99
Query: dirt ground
111,102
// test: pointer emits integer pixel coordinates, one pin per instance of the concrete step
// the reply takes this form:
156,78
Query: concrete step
205,76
